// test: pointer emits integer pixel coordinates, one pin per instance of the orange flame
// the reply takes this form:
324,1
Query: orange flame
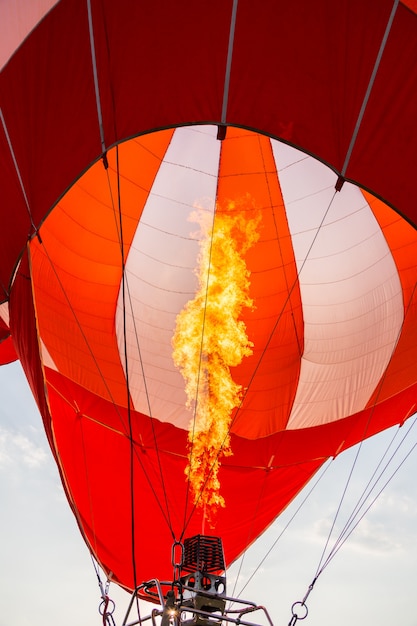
209,339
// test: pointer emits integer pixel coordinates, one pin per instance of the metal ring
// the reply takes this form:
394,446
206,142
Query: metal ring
300,604
174,545
106,607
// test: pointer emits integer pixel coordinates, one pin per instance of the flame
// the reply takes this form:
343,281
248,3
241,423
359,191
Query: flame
209,339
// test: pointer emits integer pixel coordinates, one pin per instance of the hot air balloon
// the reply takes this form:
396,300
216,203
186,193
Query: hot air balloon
208,255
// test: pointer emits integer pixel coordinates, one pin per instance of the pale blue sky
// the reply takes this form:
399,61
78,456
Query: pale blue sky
47,577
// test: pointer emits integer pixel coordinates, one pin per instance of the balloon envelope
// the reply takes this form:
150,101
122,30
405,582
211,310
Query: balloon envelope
96,294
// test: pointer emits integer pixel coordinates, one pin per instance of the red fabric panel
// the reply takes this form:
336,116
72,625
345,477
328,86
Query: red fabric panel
161,64
91,436
95,462
309,64
388,134
4,330
51,116
24,331
12,237
7,351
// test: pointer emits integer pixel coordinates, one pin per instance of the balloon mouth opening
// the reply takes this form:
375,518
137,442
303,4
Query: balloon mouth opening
129,220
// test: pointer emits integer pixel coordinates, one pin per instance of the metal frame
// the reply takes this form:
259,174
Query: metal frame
152,590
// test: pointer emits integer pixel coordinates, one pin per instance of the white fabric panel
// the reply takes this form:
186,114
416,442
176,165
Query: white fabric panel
4,313
17,19
350,291
160,271
47,360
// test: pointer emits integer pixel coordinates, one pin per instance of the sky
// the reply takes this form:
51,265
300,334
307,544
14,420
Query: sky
47,576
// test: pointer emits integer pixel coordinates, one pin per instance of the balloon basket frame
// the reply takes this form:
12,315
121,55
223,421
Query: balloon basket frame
197,595
181,605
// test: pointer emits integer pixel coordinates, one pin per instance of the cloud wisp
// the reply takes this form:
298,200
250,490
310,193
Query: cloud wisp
17,449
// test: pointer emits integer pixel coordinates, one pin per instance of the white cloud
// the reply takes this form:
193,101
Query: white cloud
386,528
372,536
17,449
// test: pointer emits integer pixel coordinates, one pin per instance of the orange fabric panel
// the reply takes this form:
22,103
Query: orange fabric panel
402,240
275,326
80,239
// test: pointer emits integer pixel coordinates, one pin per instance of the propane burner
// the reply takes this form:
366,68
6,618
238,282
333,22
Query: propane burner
204,563
205,581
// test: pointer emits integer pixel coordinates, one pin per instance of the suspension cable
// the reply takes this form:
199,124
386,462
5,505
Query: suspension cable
124,426
365,430
107,605
126,364
365,503
271,203
249,534
127,296
151,420
368,90
321,473
299,609
371,486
